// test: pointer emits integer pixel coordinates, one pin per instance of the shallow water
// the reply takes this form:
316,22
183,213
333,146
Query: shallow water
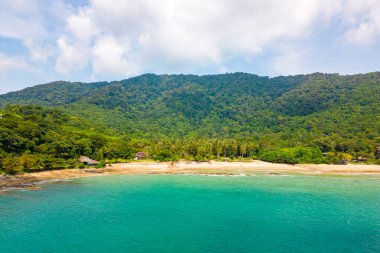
172,213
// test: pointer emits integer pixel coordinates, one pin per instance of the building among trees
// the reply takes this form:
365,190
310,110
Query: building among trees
141,155
88,161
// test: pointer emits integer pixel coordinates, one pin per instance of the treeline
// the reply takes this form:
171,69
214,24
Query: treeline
33,138
335,113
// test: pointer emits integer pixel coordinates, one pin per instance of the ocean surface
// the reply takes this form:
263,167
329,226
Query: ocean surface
173,213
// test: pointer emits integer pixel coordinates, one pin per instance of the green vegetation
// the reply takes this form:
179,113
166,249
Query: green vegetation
292,155
289,119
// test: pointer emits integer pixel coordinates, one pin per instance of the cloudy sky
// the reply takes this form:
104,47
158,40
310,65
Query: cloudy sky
88,40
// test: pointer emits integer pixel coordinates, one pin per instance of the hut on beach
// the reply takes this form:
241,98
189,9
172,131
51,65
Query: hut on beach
141,156
88,161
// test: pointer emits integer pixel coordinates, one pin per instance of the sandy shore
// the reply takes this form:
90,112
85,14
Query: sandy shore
32,180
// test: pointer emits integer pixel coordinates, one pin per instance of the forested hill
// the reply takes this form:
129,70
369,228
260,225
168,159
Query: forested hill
285,110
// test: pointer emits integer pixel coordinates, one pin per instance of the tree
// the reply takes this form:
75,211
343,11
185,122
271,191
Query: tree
203,151
243,149
12,165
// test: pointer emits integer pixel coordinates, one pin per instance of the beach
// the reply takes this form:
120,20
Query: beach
32,180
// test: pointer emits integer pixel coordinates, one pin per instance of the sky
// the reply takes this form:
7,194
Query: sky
95,40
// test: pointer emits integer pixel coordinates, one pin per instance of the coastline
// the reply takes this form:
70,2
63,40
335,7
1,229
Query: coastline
32,180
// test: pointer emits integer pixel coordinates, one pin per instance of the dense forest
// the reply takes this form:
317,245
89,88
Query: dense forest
291,119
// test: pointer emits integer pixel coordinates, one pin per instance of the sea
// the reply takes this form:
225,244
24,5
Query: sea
195,213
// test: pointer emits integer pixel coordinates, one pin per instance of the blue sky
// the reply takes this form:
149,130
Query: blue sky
90,40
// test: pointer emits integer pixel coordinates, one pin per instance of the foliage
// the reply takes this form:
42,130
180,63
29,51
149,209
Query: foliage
292,155
171,117
100,165
164,156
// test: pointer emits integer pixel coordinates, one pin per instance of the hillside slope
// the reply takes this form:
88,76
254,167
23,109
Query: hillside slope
328,109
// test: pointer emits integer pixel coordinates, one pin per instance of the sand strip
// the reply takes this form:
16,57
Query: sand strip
31,180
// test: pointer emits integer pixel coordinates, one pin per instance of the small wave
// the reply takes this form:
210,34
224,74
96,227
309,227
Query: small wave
25,186
216,175
49,181
239,175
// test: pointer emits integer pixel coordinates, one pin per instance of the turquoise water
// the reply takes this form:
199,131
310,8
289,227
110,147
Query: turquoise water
167,213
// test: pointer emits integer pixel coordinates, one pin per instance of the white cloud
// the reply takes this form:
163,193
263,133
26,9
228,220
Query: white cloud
34,23
118,38
291,63
73,57
363,20
364,34
19,19
8,63
81,26
111,57
180,35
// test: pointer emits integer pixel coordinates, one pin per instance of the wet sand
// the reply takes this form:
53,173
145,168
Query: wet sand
32,180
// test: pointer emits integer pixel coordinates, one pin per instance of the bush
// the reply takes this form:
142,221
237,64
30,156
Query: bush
165,156
100,165
12,165
292,155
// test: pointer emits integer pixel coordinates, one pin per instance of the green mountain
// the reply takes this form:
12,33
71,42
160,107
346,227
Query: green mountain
33,138
329,111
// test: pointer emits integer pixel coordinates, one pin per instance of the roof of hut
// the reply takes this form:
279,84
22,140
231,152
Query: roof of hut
140,154
85,159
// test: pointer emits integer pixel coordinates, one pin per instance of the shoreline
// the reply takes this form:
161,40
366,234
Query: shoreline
33,180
